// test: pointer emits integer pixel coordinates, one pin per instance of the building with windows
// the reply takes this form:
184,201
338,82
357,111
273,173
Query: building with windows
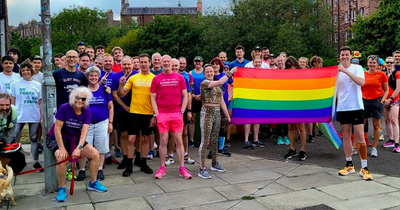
344,14
143,15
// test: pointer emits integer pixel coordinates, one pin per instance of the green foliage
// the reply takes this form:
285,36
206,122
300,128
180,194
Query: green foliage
378,33
29,47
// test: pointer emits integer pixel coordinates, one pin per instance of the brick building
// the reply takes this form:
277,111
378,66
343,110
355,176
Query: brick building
30,29
344,14
143,15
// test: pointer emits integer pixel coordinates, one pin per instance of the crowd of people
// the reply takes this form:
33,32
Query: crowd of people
113,105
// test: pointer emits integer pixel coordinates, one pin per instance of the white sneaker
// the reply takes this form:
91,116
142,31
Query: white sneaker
374,152
355,151
189,160
169,161
155,146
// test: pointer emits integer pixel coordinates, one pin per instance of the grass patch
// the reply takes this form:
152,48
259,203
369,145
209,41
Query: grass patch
248,197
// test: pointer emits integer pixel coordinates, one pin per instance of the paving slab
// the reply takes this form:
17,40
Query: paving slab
308,169
308,181
394,194
253,157
251,176
124,204
367,203
81,207
49,201
224,205
272,189
116,179
249,204
28,190
287,169
194,183
30,178
231,167
185,198
267,164
389,181
237,191
356,189
147,178
125,191
297,199
234,158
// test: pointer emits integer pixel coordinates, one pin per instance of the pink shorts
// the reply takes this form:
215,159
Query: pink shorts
170,121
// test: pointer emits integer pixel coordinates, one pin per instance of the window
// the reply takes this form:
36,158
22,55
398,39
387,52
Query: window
336,37
346,35
362,11
336,18
346,17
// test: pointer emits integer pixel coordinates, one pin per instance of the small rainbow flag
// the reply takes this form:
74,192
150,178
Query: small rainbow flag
329,131
283,96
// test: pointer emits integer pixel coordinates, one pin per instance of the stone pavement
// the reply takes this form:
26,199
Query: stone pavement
249,183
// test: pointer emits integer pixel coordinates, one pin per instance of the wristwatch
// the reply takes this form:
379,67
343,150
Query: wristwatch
154,115
182,112
80,147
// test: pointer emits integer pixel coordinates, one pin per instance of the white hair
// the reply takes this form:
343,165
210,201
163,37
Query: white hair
155,54
174,59
77,91
93,69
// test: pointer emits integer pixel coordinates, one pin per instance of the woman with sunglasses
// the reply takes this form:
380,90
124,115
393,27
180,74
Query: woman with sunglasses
67,137
391,110
291,63
374,91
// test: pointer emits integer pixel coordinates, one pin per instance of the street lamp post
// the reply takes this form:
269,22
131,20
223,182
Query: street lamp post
49,96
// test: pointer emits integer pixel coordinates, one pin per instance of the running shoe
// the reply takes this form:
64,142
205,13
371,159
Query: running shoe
61,195
100,175
290,154
189,160
146,169
224,152
286,139
366,175
150,155
396,149
81,175
37,165
347,170
117,152
217,167
96,186
280,141
160,173
68,174
190,144
170,160
184,173
388,144
310,139
204,174
259,144
354,151
228,143
374,152
248,145
302,155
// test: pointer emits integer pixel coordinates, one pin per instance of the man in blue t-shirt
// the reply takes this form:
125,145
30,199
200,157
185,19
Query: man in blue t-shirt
107,74
156,61
68,78
239,61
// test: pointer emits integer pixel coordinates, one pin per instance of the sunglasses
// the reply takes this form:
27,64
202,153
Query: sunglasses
389,62
80,98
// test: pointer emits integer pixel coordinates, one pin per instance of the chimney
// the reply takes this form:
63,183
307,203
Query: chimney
179,4
110,17
199,7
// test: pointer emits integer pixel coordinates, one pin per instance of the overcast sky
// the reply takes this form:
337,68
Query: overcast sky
25,10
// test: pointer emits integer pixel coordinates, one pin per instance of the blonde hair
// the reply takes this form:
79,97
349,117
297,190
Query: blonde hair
77,91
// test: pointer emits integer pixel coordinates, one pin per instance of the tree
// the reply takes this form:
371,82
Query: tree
378,33
29,47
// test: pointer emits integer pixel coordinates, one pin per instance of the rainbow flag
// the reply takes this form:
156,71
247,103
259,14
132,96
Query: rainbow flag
329,131
283,96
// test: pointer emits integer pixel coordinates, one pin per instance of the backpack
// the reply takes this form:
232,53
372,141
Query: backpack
392,80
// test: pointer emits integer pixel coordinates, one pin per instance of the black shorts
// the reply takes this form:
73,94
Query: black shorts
196,106
121,121
53,146
355,117
185,119
373,108
140,122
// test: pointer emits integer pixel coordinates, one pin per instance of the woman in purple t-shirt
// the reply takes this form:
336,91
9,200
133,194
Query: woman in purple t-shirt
68,137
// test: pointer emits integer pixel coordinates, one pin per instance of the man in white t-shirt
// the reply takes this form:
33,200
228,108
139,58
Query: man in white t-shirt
7,76
256,53
350,111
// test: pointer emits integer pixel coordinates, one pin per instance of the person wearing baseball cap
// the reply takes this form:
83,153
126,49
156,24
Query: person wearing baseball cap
80,47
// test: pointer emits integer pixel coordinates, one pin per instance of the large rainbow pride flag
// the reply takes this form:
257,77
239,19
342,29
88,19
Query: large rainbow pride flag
283,96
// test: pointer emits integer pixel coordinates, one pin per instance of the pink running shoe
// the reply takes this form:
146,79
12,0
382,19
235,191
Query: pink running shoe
160,173
396,149
388,144
184,173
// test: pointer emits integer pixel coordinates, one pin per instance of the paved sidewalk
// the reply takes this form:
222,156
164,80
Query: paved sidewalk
249,183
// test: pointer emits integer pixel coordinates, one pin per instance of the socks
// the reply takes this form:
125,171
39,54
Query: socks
349,159
364,163
124,157
186,154
221,142
83,169
100,168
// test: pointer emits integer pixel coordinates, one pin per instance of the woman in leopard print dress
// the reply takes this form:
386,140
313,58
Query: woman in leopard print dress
210,118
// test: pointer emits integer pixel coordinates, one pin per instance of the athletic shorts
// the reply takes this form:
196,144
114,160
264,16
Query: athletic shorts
170,122
373,108
185,119
121,121
53,146
354,117
230,105
140,122
98,136
196,106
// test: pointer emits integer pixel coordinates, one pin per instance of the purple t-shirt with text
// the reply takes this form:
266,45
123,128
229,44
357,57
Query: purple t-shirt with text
114,87
99,105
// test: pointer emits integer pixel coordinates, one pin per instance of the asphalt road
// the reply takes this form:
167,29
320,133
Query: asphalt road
323,154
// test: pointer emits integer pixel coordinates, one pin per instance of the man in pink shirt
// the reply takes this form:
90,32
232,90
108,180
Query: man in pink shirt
169,99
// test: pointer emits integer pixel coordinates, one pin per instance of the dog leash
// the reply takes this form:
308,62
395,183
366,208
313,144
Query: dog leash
70,158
